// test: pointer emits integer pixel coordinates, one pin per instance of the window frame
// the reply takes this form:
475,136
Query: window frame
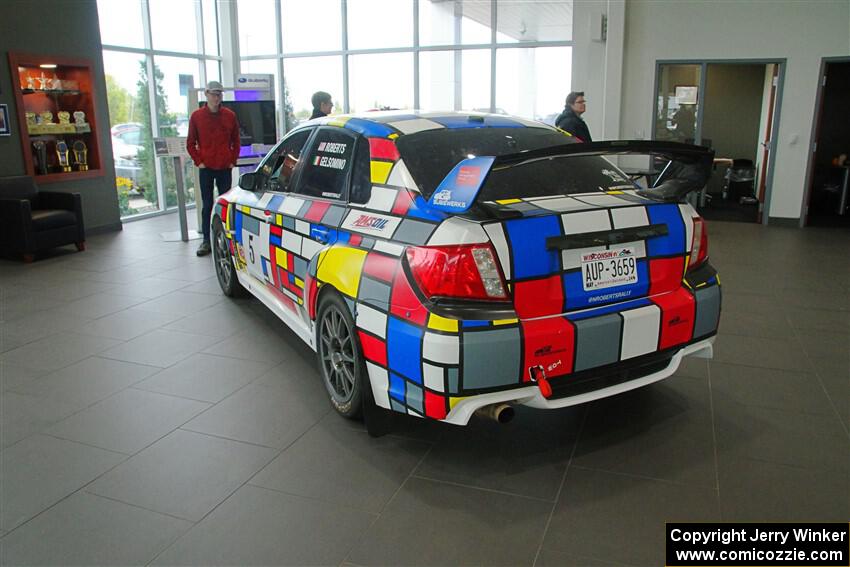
273,155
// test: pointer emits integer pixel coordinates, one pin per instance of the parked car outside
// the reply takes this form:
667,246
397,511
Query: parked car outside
441,264
126,143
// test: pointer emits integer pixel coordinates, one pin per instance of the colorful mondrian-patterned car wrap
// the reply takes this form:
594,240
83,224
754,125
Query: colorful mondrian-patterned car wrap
289,249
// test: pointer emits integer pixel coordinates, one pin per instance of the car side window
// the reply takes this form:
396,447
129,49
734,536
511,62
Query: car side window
361,177
328,164
279,168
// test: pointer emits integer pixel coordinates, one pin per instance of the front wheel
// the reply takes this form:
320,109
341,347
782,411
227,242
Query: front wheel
224,270
340,359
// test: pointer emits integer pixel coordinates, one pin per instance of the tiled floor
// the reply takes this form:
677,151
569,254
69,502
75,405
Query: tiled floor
147,419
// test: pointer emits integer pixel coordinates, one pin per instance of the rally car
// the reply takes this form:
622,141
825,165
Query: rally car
441,264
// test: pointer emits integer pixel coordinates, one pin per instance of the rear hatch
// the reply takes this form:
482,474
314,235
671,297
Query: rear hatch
571,230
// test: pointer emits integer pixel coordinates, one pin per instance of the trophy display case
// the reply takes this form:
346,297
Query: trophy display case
56,116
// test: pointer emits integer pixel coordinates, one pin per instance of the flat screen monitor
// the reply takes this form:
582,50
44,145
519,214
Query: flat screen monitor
256,120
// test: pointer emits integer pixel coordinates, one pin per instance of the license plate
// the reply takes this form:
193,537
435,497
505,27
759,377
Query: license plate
608,268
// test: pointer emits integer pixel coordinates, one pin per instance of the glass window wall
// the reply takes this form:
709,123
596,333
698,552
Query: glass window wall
148,88
301,38
306,75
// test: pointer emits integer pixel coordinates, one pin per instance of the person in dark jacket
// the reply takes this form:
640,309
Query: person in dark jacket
322,104
570,119
213,143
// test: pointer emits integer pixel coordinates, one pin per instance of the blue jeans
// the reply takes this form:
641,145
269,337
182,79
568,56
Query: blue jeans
222,179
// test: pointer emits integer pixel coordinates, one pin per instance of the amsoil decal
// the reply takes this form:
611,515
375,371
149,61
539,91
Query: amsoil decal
371,223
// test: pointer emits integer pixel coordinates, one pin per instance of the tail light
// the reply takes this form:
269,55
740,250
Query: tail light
463,272
699,244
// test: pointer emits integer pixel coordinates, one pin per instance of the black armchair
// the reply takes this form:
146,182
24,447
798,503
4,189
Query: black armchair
32,220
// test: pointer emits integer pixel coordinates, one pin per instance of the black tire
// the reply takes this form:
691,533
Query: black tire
340,357
225,272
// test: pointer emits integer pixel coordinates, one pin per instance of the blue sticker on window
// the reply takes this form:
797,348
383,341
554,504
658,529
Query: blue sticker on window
458,190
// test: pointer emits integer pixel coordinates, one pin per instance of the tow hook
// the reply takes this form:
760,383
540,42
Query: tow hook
538,375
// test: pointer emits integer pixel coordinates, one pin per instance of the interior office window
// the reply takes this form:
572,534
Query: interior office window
380,81
210,20
257,27
305,75
174,25
533,82
311,26
130,128
455,80
455,22
328,162
175,77
520,20
380,23
121,23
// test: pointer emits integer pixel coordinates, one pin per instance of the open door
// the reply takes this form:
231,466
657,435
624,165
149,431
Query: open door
766,142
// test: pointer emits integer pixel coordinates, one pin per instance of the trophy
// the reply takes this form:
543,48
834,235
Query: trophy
62,153
30,119
43,81
46,117
30,83
81,155
56,83
64,117
41,156
80,118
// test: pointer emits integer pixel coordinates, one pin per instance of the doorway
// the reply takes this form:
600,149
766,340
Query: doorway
828,192
732,107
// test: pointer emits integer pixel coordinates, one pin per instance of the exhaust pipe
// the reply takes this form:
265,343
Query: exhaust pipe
500,413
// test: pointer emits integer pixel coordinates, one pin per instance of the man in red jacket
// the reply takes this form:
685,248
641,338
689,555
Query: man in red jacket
213,143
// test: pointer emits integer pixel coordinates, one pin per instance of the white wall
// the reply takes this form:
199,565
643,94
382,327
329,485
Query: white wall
801,32
598,65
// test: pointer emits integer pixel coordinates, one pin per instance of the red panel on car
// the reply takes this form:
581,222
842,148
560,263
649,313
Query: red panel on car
678,310
317,211
549,343
380,266
404,303
665,274
536,298
381,148
374,349
435,405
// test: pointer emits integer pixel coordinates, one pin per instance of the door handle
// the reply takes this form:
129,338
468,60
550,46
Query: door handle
320,234
269,215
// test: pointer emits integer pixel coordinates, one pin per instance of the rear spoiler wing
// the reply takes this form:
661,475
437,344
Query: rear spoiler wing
688,169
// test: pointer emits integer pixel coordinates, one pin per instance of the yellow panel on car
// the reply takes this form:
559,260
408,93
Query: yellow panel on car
508,201
505,321
280,257
341,267
339,121
453,402
381,171
442,324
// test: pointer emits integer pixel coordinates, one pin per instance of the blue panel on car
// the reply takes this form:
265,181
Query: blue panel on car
674,242
528,242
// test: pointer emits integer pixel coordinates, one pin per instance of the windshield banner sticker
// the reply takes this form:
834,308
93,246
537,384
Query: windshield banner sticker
458,190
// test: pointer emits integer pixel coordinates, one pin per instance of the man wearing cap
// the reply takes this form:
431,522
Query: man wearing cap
213,143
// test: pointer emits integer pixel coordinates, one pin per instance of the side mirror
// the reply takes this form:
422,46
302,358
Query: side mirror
247,181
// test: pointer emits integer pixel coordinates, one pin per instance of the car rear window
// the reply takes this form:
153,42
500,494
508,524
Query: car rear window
431,155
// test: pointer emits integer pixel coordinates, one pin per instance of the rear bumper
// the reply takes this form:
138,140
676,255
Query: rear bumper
531,396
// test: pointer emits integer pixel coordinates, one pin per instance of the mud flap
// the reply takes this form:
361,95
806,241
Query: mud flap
379,421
